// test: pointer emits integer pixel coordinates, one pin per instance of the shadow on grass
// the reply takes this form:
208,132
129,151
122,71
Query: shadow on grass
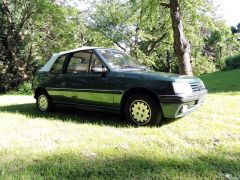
75,115
71,165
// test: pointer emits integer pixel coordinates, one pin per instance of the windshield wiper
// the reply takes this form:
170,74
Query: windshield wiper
132,67
127,66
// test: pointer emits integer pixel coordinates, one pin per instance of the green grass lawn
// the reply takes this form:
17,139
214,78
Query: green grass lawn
89,145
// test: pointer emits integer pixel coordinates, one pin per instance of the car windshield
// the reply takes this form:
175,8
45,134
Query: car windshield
120,60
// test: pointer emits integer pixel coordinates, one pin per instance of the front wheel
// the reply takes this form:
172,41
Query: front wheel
143,109
43,102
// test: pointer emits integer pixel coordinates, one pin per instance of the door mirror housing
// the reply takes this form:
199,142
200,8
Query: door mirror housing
99,70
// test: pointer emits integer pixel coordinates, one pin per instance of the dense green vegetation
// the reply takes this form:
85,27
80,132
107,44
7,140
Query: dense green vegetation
23,89
233,62
78,144
31,31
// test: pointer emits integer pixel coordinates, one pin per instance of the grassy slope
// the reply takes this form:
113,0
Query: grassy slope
205,144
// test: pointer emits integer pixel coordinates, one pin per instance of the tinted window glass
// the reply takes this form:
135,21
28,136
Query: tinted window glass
79,62
57,66
96,63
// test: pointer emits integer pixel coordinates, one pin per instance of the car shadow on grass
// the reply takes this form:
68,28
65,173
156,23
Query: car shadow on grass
75,115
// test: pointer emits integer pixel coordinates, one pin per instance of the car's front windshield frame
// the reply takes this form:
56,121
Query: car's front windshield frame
119,60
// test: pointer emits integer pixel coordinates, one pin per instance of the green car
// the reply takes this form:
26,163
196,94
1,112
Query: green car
110,80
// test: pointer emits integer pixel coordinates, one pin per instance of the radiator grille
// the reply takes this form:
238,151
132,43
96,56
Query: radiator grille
196,86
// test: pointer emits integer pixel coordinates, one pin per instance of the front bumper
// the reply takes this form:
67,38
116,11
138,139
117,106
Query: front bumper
176,106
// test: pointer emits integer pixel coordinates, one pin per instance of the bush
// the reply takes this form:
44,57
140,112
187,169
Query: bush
23,89
202,65
233,62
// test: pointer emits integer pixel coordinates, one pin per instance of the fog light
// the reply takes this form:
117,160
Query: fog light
184,108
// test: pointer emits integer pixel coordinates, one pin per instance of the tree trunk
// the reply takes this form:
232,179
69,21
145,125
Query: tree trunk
182,47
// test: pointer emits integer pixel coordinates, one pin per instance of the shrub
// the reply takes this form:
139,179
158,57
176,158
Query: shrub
23,89
202,64
233,62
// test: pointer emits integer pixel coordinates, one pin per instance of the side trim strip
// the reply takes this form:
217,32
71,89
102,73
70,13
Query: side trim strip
87,90
74,89
84,106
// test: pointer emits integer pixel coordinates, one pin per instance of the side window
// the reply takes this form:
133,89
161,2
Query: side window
57,66
96,63
79,62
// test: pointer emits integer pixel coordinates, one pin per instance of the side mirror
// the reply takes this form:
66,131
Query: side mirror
99,70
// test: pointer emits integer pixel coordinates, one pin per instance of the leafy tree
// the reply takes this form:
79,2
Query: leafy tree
182,46
64,29
235,29
151,30
31,30
238,26
16,26
120,23
220,44
154,32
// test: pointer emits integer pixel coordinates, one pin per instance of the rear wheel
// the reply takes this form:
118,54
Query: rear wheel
143,109
43,102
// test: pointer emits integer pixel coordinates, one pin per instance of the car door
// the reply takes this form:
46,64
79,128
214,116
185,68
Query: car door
53,82
99,86
83,87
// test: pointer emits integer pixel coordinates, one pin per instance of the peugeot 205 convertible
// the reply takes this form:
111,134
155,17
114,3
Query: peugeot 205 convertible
110,80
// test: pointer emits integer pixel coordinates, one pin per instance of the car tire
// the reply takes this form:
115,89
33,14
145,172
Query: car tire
43,102
143,110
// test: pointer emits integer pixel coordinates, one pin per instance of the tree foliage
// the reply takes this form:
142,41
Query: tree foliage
154,32
32,30
235,29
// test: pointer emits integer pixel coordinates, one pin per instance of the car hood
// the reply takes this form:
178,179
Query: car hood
146,74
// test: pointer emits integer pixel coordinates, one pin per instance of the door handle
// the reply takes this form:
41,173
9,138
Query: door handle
60,85
63,84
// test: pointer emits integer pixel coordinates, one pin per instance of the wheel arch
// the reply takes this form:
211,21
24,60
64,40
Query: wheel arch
134,90
39,89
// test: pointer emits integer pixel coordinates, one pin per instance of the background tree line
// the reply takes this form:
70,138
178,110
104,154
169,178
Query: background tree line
31,30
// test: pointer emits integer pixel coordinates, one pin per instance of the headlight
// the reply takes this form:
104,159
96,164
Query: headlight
182,88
